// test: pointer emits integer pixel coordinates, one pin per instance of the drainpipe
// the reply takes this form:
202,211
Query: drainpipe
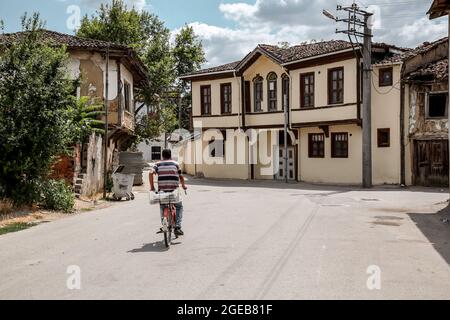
240,99
402,131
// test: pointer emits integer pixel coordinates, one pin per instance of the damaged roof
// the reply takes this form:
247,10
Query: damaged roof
78,43
434,71
410,53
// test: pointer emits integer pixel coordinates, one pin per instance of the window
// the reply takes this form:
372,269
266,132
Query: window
339,145
316,145
225,97
384,138
205,100
127,93
156,153
258,93
272,91
336,85
436,105
307,90
385,77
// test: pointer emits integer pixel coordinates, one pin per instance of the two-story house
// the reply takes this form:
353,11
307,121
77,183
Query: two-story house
425,81
87,67
320,85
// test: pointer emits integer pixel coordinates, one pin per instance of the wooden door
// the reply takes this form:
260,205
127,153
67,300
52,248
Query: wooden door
431,165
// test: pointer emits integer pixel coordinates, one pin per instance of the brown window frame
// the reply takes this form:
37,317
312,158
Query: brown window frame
272,95
205,108
382,144
381,73
258,94
303,76
330,86
226,98
333,145
311,143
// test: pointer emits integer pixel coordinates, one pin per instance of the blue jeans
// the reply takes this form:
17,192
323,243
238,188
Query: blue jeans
179,207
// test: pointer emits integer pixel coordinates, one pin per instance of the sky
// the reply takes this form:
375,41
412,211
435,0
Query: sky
229,29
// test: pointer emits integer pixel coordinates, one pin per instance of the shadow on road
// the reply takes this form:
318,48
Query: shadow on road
271,184
436,227
153,247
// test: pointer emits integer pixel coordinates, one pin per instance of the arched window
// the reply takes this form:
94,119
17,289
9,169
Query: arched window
258,93
285,89
272,91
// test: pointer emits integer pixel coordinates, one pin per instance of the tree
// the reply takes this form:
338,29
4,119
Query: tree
85,114
147,34
189,56
188,52
35,102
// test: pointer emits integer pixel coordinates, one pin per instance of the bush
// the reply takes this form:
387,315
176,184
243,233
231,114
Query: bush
57,195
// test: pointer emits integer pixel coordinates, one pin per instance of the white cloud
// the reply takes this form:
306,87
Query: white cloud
295,21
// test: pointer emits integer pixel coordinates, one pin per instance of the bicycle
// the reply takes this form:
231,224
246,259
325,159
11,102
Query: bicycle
168,200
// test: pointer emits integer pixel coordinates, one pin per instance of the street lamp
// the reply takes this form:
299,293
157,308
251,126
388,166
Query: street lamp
329,15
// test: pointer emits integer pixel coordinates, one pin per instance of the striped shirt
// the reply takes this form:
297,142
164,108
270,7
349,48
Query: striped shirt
168,172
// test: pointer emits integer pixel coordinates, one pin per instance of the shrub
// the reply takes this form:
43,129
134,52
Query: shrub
57,195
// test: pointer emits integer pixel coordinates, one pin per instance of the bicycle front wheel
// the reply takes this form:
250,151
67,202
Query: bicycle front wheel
167,238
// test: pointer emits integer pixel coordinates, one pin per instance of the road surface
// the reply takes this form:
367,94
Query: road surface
244,240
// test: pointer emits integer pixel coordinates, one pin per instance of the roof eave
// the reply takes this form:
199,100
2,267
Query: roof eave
198,75
438,9
318,56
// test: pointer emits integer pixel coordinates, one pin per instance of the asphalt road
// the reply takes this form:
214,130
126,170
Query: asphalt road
247,240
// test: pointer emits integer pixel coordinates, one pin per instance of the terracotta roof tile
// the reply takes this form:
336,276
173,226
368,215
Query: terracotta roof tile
64,39
303,51
225,67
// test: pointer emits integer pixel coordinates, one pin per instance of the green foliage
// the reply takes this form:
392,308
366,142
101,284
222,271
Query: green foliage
148,35
35,117
15,227
152,125
85,114
188,52
56,195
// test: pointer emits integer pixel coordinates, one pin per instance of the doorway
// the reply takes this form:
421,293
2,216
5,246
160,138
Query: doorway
431,163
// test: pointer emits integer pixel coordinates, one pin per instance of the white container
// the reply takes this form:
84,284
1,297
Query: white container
165,197
123,185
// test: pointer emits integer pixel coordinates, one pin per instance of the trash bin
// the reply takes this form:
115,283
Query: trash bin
122,184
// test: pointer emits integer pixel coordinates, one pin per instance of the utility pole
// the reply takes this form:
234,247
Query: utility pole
359,26
105,150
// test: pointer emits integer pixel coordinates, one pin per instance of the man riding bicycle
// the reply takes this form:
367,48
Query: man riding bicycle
169,179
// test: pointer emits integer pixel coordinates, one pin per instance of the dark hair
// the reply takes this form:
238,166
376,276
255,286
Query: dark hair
167,154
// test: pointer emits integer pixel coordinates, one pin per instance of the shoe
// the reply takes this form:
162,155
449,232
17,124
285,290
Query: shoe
179,232
160,231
